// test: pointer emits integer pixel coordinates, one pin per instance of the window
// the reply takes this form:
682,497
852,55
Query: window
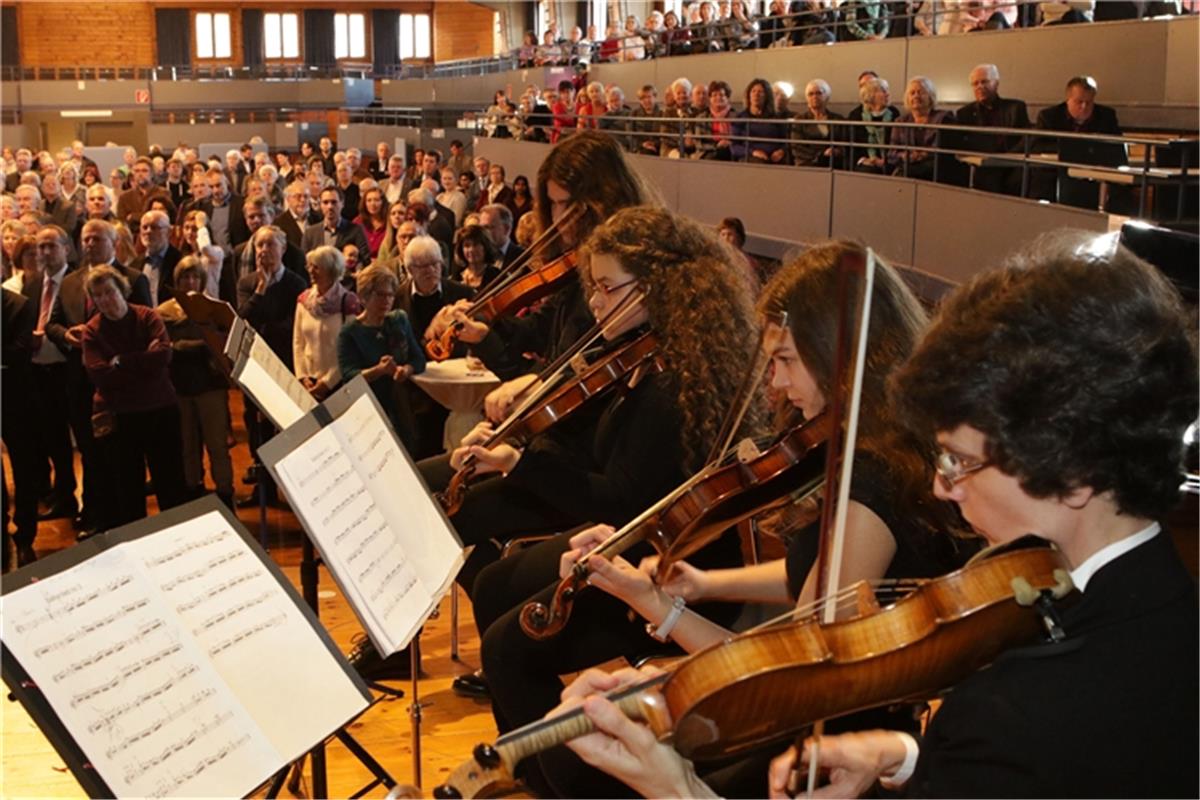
212,36
349,36
597,15
281,35
414,36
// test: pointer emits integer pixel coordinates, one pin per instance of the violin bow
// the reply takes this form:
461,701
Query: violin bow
514,270
746,392
839,464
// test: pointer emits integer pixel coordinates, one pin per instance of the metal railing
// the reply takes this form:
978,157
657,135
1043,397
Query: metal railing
763,31
408,116
950,152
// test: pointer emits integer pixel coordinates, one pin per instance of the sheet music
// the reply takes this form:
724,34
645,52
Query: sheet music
176,660
378,530
268,380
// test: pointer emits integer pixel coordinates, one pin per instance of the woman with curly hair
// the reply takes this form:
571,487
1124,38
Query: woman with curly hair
651,435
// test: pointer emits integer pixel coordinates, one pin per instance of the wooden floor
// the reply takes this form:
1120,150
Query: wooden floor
450,727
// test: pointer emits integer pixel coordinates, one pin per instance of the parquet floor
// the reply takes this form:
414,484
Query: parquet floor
451,725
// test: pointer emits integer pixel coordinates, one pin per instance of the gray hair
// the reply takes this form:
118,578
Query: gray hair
27,188
422,250
502,211
107,228
329,259
276,233
374,278
821,85
927,85
991,70
870,86
421,195
680,82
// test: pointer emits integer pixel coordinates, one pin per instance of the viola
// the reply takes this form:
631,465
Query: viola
506,299
562,402
699,511
765,685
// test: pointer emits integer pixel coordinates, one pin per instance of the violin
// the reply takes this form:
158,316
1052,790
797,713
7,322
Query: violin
559,404
508,298
699,511
765,685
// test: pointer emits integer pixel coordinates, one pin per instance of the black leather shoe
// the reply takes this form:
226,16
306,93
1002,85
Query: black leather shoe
60,509
367,661
88,532
473,684
250,477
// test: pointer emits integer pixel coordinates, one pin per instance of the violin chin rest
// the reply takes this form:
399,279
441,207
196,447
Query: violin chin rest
1024,594
1062,584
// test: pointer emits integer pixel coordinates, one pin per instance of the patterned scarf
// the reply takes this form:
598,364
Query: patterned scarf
338,300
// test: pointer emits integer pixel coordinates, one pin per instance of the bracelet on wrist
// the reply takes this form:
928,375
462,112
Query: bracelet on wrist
663,631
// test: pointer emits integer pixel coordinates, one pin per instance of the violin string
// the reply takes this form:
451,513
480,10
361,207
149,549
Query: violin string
891,587
515,269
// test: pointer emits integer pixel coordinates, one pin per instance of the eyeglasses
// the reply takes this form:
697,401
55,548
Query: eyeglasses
951,468
600,288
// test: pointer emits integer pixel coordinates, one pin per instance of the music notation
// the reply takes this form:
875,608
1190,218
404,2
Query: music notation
215,592
111,650
233,611
398,596
188,547
353,525
343,505
195,701
168,788
241,636
323,462
205,569
91,627
107,718
125,674
367,540
135,771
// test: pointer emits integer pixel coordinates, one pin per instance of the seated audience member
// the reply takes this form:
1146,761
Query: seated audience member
321,312
549,54
528,51
1066,12
633,46
813,140
1067,322
815,21
782,91
706,32
201,389
372,216
865,20
776,28
380,345
1080,113
610,48
740,29
717,142
920,98
334,229
615,120
563,111
869,155
127,354
756,136
591,107
645,124
475,258
990,110
674,38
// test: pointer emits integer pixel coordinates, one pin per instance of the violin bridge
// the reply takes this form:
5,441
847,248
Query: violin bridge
579,364
865,601
747,450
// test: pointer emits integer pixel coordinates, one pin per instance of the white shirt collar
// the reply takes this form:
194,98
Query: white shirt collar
1084,572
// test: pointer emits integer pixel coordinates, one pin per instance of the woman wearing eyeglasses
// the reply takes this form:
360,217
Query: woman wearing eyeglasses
896,529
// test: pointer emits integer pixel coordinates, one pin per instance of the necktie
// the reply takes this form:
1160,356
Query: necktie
47,302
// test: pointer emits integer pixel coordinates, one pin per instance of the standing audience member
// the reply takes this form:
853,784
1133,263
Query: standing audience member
159,257
127,354
372,216
334,229
201,388
380,345
476,257
17,409
451,196
322,311
497,220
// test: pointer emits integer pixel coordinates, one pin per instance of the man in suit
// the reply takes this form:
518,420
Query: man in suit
294,217
72,310
24,162
990,110
57,209
259,212
1080,113
421,296
334,229
17,410
497,220
224,210
158,262
326,155
480,182
49,376
267,300
379,167
394,183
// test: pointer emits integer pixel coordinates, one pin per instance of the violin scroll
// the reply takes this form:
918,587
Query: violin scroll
484,775
452,496
442,347
541,622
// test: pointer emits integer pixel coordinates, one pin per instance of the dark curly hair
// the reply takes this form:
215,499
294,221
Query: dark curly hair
594,169
1078,364
700,309
806,289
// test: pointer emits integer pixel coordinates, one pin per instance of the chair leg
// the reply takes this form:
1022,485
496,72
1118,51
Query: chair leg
454,622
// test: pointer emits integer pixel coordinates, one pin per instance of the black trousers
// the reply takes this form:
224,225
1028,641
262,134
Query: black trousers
53,431
97,461
493,512
19,431
141,439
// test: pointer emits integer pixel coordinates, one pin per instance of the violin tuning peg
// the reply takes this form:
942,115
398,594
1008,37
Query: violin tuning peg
1062,584
1024,594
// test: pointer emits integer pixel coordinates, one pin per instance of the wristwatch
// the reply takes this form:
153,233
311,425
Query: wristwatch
663,631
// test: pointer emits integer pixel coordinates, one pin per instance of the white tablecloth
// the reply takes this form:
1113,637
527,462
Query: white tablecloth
459,389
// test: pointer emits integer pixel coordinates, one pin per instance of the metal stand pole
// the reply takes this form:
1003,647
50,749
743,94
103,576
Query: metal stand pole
454,622
414,710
